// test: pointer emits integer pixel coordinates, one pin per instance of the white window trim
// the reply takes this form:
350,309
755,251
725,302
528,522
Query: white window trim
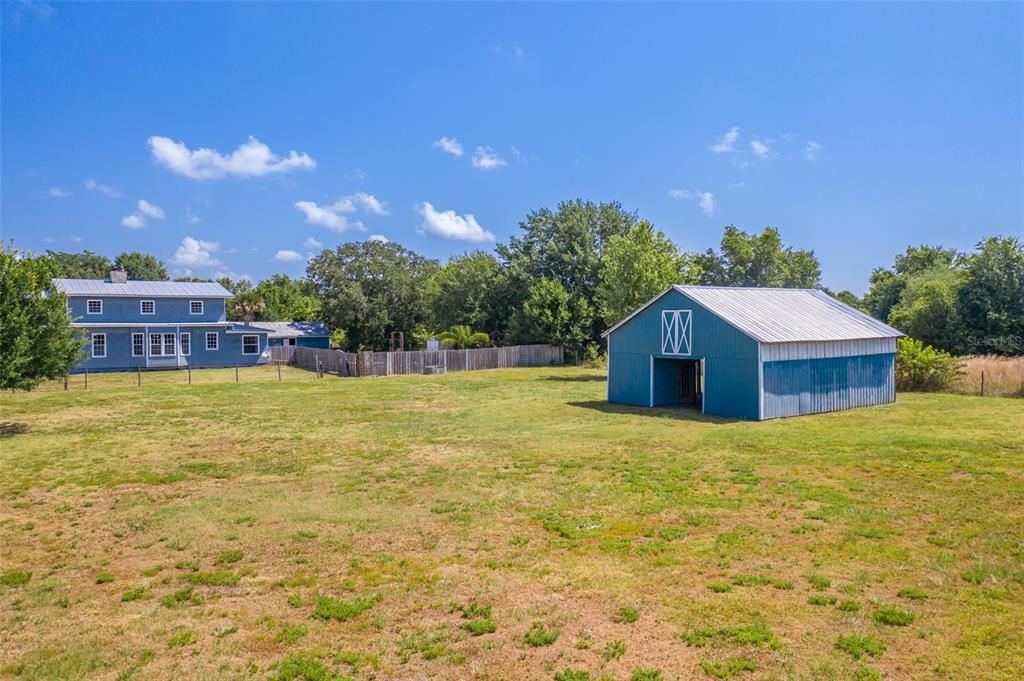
88,304
143,353
216,340
93,344
202,306
159,346
187,337
251,335
142,309
174,344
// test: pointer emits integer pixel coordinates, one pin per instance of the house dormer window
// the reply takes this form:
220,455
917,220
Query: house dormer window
147,306
94,307
195,307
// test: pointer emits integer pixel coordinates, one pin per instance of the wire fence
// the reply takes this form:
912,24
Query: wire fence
423,361
178,376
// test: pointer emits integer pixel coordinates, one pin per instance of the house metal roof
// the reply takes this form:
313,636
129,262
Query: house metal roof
146,289
294,329
781,315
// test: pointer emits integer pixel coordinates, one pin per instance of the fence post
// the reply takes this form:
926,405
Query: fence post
278,373
982,382
236,373
189,367
86,379
66,382
139,377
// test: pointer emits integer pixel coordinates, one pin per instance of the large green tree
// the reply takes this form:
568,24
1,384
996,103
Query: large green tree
927,308
287,299
141,266
37,341
991,297
745,259
471,290
84,265
370,289
635,267
550,314
565,245
887,284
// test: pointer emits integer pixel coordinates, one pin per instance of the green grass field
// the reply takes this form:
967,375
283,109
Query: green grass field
501,524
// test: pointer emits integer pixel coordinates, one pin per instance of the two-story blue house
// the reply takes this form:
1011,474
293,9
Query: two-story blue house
158,325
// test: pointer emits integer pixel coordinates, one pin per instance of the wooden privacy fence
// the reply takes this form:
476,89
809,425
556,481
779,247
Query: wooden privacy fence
424,361
281,354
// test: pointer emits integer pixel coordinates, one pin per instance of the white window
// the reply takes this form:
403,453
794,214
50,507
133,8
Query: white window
195,307
138,344
94,307
186,343
169,340
250,345
211,340
147,307
156,347
99,345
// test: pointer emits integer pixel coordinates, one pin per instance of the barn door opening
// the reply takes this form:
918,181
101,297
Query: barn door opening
689,383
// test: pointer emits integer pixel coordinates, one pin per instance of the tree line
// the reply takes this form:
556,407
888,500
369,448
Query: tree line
572,271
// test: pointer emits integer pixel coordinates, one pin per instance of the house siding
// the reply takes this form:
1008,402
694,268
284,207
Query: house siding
119,349
126,309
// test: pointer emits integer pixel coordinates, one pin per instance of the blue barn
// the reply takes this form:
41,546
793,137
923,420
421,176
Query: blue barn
750,353
158,325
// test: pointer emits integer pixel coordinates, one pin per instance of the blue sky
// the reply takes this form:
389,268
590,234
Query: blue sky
854,129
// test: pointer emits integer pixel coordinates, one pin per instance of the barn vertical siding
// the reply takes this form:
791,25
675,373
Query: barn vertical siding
810,386
730,361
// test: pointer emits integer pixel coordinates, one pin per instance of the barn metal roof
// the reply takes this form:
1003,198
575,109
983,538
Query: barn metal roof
782,315
150,289
294,329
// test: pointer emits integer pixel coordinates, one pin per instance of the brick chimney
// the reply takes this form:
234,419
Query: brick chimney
118,277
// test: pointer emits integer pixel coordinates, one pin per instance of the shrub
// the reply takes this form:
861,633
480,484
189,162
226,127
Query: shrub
922,367
894,617
538,635
858,646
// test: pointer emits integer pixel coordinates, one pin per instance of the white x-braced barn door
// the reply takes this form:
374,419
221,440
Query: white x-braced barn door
676,332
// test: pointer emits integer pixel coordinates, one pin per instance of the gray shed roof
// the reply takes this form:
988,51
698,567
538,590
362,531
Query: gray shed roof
149,289
294,329
782,315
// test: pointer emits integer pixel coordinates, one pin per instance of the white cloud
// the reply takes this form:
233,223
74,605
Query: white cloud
251,159
759,148
76,239
60,193
706,200
150,210
310,242
728,141
486,158
133,221
812,150
513,51
332,216
379,237
49,240
196,253
190,217
105,189
449,145
288,255
356,174
450,225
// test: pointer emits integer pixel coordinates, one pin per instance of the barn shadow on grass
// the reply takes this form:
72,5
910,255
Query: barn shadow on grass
8,429
673,413
585,378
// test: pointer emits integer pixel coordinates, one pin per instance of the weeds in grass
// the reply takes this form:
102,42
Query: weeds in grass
295,600
133,594
756,634
848,606
818,582
894,617
976,574
783,584
857,645
104,577
152,571
720,587
182,638
224,632
15,578
229,557
479,627
573,675
628,614
331,608
614,650
646,675
214,578
290,633
305,535
751,580
725,669
820,599
177,598
913,594
301,667
698,638
430,647
538,635
867,674
192,565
